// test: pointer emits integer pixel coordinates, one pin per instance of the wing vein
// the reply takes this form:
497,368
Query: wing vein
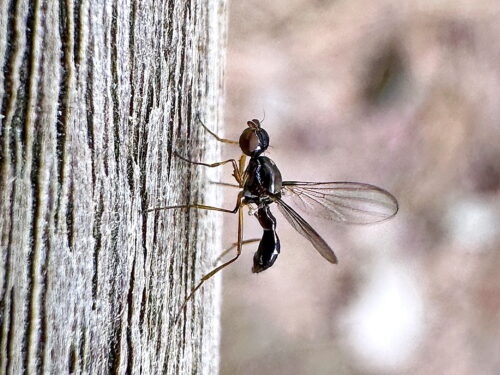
346,202
303,228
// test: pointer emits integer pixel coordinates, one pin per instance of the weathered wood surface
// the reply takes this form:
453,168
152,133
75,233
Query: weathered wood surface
95,96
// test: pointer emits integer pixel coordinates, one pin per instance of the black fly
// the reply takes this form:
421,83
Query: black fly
262,185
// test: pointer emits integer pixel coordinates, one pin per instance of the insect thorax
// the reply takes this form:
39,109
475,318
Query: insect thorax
263,183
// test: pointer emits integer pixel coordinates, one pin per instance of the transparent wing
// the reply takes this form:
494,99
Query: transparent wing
301,226
345,202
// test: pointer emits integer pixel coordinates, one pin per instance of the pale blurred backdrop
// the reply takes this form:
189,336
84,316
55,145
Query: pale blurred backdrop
401,94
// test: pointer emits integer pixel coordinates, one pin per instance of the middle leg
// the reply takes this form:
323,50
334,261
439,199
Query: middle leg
236,168
201,207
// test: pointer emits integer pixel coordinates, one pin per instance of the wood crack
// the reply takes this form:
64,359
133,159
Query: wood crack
10,333
9,95
77,29
66,69
114,86
89,101
97,234
130,312
30,135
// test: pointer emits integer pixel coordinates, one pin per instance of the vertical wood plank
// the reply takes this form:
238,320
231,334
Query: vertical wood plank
95,98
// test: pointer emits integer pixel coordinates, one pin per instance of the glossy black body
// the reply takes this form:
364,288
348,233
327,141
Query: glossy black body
263,181
262,186
269,246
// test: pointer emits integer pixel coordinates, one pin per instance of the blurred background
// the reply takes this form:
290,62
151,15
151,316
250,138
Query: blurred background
403,95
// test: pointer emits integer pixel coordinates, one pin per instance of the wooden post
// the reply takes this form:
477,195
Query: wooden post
95,98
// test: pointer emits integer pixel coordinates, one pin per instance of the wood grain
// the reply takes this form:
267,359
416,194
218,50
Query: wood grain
95,98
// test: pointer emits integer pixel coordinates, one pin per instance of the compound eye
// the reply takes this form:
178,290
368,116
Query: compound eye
249,142
254,141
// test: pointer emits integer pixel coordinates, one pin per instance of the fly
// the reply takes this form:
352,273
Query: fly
262,186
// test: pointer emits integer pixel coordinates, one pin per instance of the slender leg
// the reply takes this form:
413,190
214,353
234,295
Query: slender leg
217,269
242,168
242,160
236,171
224,140
211,165
201,207
246,242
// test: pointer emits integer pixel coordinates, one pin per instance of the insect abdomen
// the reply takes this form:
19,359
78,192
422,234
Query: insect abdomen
269,246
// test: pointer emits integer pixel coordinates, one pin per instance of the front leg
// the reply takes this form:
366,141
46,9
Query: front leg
223,140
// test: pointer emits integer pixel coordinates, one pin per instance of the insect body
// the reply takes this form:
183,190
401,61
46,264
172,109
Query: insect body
262,186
